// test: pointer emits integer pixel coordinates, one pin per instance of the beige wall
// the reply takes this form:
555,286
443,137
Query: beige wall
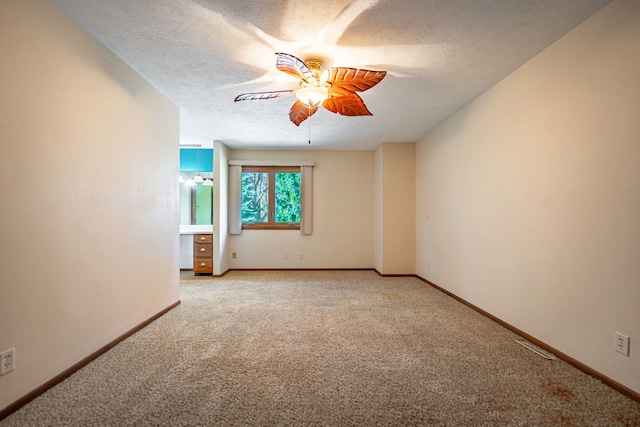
395,208
528,199
342,216
88,173
377,214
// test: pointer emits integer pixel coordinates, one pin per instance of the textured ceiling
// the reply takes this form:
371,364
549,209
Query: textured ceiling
440,54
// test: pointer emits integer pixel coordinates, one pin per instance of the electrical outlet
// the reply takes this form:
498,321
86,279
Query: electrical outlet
7,361
300,256
284,255
233,255
622,344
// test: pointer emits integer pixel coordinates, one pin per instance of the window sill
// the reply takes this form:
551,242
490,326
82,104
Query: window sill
271,226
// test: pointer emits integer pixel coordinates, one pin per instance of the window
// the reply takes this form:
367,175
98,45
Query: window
280,200
271,197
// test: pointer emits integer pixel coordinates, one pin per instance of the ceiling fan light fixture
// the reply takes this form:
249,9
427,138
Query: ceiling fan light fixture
312,96
334,89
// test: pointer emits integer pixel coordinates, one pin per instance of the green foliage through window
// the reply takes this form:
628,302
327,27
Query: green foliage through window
271,197
255,197
287,207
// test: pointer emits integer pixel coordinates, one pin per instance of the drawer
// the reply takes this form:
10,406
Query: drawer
202,265
203,238
202,250
203,253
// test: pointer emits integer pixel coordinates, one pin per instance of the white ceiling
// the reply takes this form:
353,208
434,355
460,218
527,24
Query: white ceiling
440,54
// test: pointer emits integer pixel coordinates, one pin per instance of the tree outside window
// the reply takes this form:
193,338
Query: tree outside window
271,197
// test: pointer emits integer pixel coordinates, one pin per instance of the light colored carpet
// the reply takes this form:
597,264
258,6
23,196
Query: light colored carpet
324,348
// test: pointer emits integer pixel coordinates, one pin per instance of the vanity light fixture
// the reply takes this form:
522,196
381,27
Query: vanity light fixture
198,179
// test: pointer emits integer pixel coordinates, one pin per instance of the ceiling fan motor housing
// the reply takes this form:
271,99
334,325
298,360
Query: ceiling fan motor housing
313,65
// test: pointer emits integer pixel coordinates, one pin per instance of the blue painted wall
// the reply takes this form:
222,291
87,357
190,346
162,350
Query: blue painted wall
196,159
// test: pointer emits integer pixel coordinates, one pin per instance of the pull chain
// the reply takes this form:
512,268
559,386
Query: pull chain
309,106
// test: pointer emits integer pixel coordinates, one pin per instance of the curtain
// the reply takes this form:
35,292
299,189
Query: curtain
306,182
235,199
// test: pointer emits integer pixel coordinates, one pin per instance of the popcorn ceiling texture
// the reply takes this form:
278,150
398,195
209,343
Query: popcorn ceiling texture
440,55
324,348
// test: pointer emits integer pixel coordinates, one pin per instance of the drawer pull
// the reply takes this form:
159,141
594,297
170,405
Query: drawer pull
203,250
202,264
203,238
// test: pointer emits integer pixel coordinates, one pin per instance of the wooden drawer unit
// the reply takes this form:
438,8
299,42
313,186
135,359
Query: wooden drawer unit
203,254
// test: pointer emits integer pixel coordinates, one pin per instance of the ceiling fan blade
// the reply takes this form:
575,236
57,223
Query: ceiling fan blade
255,96
300,112
295,67
347,105
346,81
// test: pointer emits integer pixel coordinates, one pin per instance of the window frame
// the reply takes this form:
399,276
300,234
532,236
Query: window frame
271,224
234,197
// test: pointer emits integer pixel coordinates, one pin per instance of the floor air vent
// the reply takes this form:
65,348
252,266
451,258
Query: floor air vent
537,350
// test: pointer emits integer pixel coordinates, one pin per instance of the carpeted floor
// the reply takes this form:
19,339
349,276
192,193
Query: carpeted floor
324,348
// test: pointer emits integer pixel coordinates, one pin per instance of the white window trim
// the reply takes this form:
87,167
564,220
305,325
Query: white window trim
235,192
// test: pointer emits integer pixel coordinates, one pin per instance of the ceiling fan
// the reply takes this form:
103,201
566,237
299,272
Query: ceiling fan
335,89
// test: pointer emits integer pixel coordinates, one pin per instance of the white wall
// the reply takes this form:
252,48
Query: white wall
528,199
220,208
186,251
343,211
88,172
